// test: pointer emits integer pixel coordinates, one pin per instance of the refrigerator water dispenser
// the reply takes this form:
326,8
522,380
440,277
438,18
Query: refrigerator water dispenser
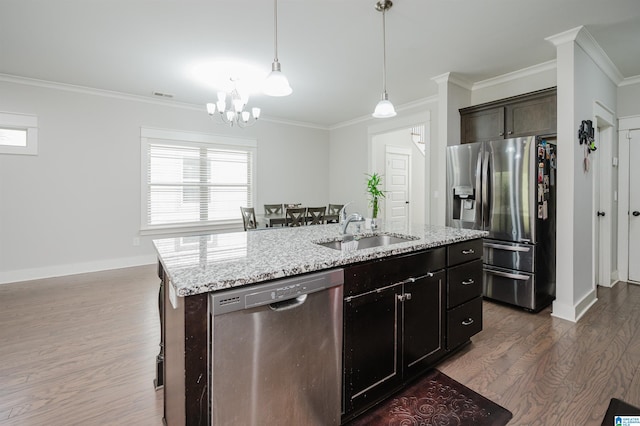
464,203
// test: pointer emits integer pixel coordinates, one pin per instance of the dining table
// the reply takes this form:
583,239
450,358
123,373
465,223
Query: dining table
276,219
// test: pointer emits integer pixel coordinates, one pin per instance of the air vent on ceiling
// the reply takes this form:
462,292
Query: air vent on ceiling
163,95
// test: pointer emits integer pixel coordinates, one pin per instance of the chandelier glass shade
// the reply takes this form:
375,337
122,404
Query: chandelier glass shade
230,108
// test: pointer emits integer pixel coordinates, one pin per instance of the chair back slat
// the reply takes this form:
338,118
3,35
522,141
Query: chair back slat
248,218
296,216
334,210
272,208
315,215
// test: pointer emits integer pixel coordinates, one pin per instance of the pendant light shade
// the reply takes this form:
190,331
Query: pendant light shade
384,108
276,83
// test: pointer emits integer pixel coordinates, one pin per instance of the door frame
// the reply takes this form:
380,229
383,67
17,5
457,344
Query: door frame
603,119
625,126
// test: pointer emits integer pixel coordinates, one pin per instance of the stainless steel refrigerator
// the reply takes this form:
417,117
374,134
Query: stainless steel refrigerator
508,188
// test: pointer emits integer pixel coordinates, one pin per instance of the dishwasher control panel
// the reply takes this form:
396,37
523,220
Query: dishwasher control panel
274,291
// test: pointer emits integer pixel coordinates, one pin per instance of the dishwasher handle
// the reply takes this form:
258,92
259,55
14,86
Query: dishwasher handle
285,305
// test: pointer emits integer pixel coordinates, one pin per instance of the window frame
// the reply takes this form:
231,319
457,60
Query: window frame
26,122
190,139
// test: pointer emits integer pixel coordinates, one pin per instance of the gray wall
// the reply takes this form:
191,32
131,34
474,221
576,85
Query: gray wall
75,207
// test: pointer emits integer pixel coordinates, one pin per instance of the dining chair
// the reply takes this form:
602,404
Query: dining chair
315,215
249,218
334,210
272,208
296,216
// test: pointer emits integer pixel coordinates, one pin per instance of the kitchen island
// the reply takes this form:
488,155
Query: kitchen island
194,267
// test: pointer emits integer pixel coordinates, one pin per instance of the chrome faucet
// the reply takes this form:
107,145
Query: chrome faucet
353,217
342,214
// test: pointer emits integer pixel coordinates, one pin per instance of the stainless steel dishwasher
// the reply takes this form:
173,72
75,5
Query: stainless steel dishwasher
277,352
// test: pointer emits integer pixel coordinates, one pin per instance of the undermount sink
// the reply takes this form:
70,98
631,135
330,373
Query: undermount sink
369,242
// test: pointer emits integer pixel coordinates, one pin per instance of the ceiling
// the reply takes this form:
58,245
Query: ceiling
330,50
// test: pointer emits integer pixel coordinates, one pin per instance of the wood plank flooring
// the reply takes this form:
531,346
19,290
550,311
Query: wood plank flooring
549,371
81,350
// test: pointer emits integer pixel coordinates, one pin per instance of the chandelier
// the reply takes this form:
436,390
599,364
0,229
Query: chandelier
230,107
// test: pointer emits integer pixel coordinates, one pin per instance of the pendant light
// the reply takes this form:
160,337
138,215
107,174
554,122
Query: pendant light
276,83
384,108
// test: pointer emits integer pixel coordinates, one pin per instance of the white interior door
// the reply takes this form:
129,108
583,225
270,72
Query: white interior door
634,207
397,161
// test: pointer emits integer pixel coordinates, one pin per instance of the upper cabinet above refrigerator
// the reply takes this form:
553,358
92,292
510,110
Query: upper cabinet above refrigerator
529,114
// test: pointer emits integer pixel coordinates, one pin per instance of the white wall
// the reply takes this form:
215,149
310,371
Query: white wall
523,81
75,207
351,158
629,98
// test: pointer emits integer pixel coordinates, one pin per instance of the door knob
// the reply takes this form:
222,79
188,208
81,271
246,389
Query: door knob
601,214
636,213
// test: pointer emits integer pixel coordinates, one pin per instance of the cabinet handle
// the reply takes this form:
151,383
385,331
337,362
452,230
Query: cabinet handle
510,132
410,280
468,321
470,251
501,134
403,297
468,282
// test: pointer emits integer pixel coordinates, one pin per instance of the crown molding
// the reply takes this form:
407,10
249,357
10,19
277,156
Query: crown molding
136,98
515,75
450,77
630,81
585,40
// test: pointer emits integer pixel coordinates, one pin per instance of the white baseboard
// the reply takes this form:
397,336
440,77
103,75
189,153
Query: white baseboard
20,275
575,312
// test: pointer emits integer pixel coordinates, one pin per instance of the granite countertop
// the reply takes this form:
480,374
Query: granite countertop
213,262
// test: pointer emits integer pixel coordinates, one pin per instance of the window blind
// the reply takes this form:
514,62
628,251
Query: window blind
191,183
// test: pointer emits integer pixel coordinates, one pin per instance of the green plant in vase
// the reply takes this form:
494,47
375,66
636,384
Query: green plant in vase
375,194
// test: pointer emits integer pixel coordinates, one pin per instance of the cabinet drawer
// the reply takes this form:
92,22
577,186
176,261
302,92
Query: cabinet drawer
464,251
390,270
464,282
463,322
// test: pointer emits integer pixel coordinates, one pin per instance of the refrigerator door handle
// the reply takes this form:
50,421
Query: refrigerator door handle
508,275
485,190
508,248
479,217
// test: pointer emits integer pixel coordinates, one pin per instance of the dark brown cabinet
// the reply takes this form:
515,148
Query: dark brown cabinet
403,314
464,292
394,329
533,113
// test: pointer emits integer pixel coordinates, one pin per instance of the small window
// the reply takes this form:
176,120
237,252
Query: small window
18,134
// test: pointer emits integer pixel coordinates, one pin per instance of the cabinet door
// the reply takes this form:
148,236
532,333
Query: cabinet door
483,125
532,117
423,320
371,346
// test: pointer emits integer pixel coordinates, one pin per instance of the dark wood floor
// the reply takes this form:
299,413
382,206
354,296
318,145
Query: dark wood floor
549,371
81,350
